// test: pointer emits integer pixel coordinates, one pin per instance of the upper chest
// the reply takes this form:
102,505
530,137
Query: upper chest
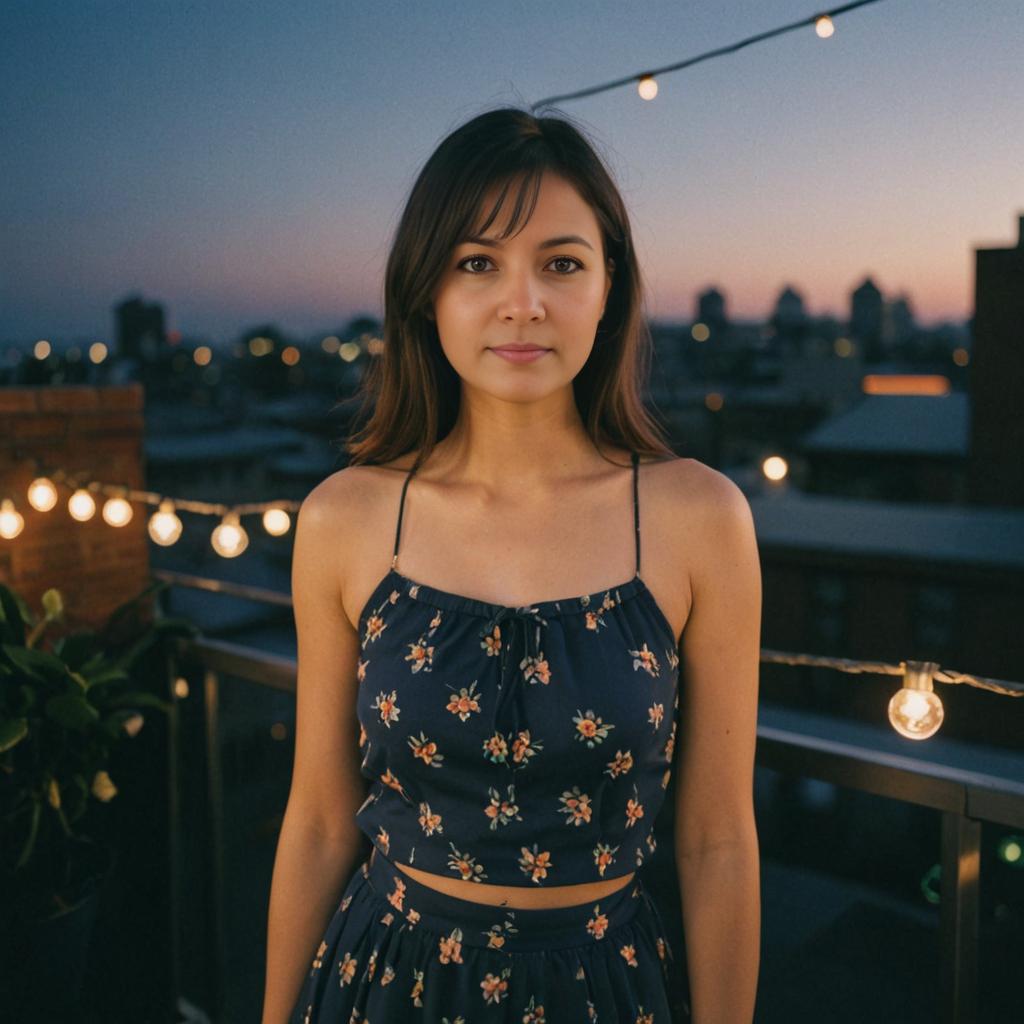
582,545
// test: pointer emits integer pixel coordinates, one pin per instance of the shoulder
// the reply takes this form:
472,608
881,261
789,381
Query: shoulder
336,515
699,488
352,493
704,514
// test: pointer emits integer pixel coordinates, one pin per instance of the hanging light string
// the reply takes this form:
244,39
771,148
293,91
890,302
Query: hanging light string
229,539
78,479
947,675
915,710
646,79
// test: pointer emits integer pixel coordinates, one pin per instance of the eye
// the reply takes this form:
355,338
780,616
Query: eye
577,265
569,259
471,259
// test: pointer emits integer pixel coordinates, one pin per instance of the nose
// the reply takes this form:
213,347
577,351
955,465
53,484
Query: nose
521,300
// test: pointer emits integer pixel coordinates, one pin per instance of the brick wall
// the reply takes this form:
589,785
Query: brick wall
96,429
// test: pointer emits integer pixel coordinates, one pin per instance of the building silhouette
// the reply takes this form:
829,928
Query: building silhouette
996,475
711,311
141,333
866,320
789,322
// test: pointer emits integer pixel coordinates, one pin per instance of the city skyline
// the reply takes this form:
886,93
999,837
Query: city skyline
243,166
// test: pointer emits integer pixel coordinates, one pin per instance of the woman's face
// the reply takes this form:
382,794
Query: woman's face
546,286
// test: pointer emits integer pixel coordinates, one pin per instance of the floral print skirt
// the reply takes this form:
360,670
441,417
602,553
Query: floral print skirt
400,951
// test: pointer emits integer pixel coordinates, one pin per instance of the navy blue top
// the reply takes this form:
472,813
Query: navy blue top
525,745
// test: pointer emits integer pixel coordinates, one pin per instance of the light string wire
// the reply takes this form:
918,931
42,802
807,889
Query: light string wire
1003,687
77,479
721,51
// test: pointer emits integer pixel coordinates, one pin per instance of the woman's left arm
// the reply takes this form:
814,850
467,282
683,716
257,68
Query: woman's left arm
716,845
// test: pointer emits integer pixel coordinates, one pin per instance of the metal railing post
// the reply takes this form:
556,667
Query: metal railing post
958,921
215,798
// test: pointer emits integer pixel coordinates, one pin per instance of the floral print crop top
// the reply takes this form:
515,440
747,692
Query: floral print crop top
516,746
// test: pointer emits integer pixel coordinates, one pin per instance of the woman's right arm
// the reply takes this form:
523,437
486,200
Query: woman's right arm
319,845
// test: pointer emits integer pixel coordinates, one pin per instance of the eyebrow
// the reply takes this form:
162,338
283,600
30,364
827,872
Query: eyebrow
551,243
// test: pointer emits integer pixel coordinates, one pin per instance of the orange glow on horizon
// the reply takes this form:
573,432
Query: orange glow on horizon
905,384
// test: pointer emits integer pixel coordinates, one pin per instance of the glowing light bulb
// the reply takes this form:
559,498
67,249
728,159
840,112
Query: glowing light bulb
117,512
229,539
824,27
81,505
276,521
915,711
11,520
647,87
1011,851
775,468
42,494
164,525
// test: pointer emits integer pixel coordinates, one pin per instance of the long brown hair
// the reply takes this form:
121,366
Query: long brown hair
410,392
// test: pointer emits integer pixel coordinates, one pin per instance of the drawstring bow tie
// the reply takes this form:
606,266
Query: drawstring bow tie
520,629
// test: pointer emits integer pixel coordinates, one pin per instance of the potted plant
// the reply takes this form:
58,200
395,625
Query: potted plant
66,701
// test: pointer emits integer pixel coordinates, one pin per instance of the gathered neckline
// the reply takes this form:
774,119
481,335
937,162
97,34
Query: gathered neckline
578,604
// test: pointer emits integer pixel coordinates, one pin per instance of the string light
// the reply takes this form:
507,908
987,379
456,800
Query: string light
81,505
11,520
117,512
276,521
229,539
647,87
164,526
915,711
42,495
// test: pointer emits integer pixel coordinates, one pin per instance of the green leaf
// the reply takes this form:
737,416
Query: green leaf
74,650
83,683
39,665
71,711
12,732
172,626
27,699
13,616
138,698
30,839
106,674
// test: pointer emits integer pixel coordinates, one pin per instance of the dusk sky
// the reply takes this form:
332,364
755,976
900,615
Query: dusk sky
246,162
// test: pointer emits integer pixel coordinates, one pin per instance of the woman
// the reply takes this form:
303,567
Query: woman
518,743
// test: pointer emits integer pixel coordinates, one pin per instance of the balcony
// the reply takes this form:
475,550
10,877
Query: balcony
881,898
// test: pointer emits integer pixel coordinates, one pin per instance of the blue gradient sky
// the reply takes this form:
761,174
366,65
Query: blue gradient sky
245,162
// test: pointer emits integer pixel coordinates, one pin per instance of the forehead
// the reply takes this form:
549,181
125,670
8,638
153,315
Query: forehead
558,207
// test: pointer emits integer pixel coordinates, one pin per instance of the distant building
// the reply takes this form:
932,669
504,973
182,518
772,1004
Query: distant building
207,461
898,326
893,448
789,322
711,312
141,333
997,376
887,581
866,320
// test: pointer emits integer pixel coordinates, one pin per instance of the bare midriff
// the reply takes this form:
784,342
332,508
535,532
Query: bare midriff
516,895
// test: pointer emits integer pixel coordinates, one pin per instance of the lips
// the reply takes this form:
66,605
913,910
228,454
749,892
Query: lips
519,353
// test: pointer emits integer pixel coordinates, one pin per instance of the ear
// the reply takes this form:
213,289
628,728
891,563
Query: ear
608,282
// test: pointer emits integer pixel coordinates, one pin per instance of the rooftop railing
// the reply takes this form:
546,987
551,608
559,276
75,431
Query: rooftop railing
964,799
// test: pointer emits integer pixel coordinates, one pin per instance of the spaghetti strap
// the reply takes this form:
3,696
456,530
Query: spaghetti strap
401,508
636,509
